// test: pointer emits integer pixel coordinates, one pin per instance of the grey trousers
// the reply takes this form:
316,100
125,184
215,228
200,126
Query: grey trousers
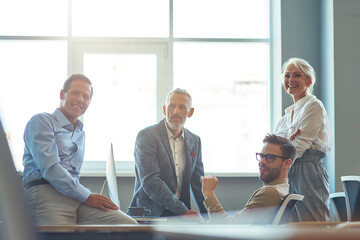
307,176
51,208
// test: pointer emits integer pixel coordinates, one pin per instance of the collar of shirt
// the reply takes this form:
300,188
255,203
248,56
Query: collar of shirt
170,135
63,121
299,103
279,181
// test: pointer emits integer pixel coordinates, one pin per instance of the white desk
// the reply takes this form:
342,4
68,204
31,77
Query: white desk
196,232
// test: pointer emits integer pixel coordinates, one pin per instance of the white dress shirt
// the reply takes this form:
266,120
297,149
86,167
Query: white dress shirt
311,118
178,152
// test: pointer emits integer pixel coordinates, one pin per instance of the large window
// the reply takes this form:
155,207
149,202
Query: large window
135,52
125,99
229,92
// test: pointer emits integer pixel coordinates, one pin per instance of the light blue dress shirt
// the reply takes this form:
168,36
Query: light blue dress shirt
54,150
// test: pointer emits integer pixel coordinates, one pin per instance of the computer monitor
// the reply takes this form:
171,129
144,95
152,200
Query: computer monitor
15,219
111,177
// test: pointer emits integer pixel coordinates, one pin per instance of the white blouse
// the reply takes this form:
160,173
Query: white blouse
311,118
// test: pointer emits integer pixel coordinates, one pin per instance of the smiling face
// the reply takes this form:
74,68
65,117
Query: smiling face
177,110
276,170
296,82
75,100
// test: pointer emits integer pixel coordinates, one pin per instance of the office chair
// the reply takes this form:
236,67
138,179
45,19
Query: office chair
287,206
339,205
351,185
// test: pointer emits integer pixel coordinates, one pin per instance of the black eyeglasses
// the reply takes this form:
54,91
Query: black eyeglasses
268,157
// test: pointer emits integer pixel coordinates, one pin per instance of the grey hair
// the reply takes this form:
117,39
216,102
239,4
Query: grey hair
305,67
178,91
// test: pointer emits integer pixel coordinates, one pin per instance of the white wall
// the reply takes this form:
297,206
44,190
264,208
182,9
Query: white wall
346,88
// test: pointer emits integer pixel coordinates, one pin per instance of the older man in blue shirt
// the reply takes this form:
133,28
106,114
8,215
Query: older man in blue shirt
53,155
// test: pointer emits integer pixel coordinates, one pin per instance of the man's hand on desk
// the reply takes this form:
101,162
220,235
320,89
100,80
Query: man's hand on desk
192,216
191,212
99,201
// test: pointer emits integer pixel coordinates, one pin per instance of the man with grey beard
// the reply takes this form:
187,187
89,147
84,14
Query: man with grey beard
168,162
274,162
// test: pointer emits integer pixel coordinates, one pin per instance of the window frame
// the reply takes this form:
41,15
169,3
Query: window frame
76,45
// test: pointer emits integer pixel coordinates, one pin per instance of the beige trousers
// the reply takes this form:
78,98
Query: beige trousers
51,208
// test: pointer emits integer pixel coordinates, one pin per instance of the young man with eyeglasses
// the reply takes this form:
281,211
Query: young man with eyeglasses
274,162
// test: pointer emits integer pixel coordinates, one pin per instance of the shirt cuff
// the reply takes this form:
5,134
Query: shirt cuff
83,193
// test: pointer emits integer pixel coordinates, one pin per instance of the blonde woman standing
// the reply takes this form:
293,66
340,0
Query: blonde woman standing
306,123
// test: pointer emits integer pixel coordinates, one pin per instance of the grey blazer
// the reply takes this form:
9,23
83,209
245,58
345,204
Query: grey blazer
155,182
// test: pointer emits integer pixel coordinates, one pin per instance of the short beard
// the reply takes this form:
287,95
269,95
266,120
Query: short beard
175,127
273,174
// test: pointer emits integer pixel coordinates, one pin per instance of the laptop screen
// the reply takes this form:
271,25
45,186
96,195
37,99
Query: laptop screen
111,177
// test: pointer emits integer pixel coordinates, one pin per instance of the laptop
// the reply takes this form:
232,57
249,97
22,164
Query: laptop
111,177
